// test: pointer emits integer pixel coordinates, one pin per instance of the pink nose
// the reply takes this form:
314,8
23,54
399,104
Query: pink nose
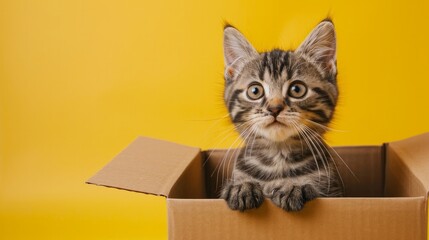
275,109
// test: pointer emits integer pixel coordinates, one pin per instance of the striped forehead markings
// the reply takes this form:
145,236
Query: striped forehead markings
263,66
274,63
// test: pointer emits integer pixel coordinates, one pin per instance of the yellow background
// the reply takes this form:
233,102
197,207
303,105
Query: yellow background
79,80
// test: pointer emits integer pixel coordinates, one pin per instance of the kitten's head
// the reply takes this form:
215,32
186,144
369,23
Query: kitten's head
275,94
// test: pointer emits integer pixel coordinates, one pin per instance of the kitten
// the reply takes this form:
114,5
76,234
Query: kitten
281,102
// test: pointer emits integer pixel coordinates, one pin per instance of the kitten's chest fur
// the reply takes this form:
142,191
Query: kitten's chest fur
265,161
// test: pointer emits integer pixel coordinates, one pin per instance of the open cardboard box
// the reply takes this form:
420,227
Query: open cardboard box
386,197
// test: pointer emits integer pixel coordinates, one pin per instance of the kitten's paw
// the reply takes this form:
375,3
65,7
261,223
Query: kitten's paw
293,198
243,196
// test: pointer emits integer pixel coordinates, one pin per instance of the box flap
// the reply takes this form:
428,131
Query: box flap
147,165
407,167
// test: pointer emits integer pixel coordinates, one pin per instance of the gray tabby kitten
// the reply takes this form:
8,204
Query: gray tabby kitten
281,102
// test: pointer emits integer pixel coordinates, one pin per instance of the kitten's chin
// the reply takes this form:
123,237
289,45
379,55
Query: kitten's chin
277,132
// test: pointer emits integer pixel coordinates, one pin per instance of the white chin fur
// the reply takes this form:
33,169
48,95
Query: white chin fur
277,133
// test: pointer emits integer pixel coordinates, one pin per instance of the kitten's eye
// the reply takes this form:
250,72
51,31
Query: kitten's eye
297,89
255,91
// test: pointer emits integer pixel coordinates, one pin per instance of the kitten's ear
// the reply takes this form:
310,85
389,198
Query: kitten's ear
237,51
320,47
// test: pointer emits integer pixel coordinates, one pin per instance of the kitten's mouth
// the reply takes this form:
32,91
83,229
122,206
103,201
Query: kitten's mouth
276,123
276,129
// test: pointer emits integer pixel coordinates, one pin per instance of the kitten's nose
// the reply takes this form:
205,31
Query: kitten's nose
275,107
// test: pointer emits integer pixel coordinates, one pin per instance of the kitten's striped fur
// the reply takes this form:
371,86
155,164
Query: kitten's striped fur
285,158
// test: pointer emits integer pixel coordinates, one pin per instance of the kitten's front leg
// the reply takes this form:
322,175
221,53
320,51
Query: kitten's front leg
290,196
243,195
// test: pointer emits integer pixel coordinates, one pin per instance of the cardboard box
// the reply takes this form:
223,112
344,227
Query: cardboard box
386,199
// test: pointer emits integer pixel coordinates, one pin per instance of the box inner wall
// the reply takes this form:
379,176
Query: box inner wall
361,169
